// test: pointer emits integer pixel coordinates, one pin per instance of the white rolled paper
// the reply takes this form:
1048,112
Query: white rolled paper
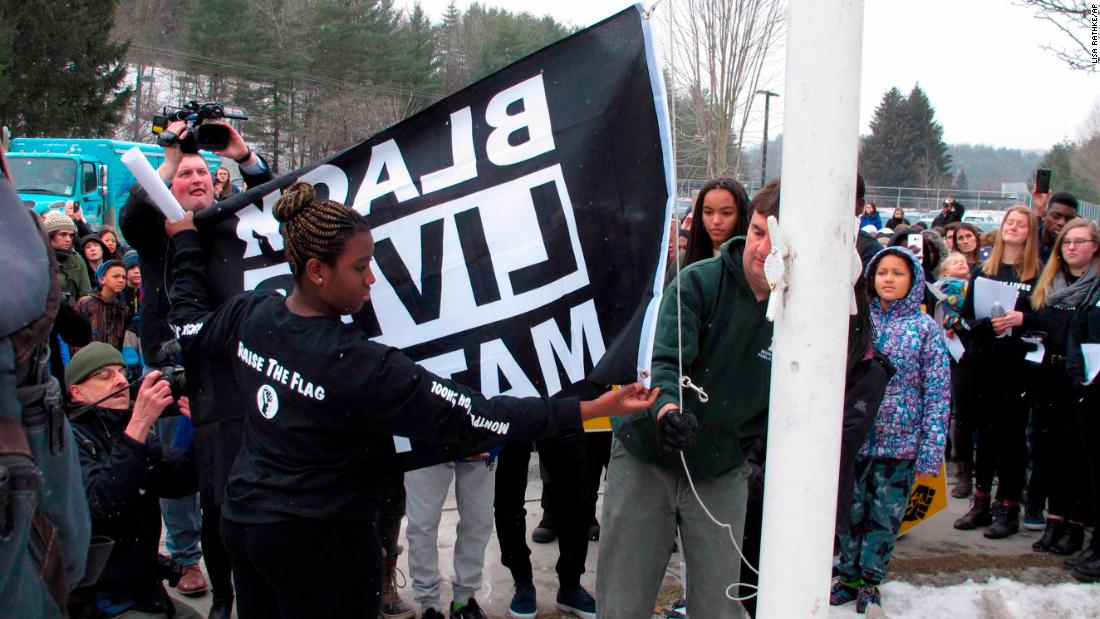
161,196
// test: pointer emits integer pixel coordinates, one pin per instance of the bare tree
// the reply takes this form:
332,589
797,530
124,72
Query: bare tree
1085,157
1076,20
719,50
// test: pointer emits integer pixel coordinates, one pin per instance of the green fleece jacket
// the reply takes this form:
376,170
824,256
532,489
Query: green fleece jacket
726,352
75,284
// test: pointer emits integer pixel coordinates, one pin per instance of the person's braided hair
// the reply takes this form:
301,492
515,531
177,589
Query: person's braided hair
314,228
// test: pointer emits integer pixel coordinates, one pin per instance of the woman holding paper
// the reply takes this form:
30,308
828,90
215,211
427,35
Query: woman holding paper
1082,363
1059,459
999,373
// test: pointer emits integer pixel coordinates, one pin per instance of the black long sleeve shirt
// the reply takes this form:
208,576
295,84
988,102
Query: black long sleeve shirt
321,401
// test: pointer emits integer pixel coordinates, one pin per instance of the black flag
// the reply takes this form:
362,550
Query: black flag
520,224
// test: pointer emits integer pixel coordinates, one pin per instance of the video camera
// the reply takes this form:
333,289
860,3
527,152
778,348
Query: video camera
201,136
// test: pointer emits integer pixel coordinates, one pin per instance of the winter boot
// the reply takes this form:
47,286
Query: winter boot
868,594
1088,571
843,592
978,516
1006,520
1055,531
964,480
1071,542
222,608
1088,554
392,606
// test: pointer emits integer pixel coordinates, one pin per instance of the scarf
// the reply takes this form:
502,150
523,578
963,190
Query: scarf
1071,295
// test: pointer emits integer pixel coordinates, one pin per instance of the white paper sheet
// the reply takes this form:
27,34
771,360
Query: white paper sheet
159,194
1035,356
988,291
955,347
1091,353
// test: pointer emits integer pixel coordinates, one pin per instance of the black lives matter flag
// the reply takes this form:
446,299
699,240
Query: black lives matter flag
520,224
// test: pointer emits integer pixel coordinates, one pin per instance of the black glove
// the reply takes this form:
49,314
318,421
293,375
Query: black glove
676,431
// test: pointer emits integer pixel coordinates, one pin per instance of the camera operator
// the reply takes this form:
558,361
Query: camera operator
188,176
952,212
126,472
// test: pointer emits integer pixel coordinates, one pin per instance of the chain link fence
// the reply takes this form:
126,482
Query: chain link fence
917,202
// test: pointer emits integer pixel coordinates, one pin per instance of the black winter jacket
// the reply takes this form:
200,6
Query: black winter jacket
125,481
1084,329
143,226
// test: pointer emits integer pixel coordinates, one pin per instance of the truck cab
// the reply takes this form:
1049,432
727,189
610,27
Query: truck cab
88,171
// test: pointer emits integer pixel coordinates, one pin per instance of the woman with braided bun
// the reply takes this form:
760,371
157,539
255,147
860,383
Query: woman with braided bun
320,403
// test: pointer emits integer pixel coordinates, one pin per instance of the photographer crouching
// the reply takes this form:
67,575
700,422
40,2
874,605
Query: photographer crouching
188,176
126,472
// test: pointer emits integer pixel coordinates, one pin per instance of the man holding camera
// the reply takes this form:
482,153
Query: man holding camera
126,471
189,178
952,212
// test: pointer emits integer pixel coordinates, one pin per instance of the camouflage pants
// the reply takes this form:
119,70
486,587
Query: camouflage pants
878,505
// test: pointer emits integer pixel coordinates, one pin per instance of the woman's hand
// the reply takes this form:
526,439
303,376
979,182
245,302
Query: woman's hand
627,400
925,476
172,228
1006,322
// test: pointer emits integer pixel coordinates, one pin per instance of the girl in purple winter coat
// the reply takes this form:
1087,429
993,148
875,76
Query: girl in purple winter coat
907,439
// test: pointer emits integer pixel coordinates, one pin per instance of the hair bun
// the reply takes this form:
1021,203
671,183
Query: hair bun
296,198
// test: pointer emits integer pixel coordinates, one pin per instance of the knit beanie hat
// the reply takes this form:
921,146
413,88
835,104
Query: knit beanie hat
93,238
102,269
130,259
89,359
58,220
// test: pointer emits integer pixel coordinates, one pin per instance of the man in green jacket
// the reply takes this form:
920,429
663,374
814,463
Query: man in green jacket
74,273
723,340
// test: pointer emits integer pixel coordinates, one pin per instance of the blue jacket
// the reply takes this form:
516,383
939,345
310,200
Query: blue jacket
873,220
911,423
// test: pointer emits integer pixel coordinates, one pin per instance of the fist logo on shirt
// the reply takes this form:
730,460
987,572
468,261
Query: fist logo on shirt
267,401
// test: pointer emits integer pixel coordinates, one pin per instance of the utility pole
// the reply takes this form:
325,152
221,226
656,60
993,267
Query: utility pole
764,150
820,145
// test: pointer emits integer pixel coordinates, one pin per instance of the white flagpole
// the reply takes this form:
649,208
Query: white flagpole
820,146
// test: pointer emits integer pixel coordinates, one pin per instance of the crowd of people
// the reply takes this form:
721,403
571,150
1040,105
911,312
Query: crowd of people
286,494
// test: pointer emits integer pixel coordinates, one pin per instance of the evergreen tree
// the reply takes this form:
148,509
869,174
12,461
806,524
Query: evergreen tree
931,165
417,64
57,82
452,52
961,182
906,147
883,154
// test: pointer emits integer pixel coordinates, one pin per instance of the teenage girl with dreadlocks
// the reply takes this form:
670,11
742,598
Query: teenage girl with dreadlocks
321,402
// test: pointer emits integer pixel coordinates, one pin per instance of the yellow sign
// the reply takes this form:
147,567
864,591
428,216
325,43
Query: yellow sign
927,499
599,424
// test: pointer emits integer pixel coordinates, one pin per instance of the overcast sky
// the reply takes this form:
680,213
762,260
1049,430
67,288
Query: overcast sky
980,62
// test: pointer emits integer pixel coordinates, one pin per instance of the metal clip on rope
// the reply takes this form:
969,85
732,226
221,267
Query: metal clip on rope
685,383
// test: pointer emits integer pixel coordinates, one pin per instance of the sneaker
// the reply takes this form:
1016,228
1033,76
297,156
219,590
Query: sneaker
577,602
1034,520
523,602
868,594
431,613
843,592
469,610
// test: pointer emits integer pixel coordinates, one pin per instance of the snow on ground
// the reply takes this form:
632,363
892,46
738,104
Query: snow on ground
1063,601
